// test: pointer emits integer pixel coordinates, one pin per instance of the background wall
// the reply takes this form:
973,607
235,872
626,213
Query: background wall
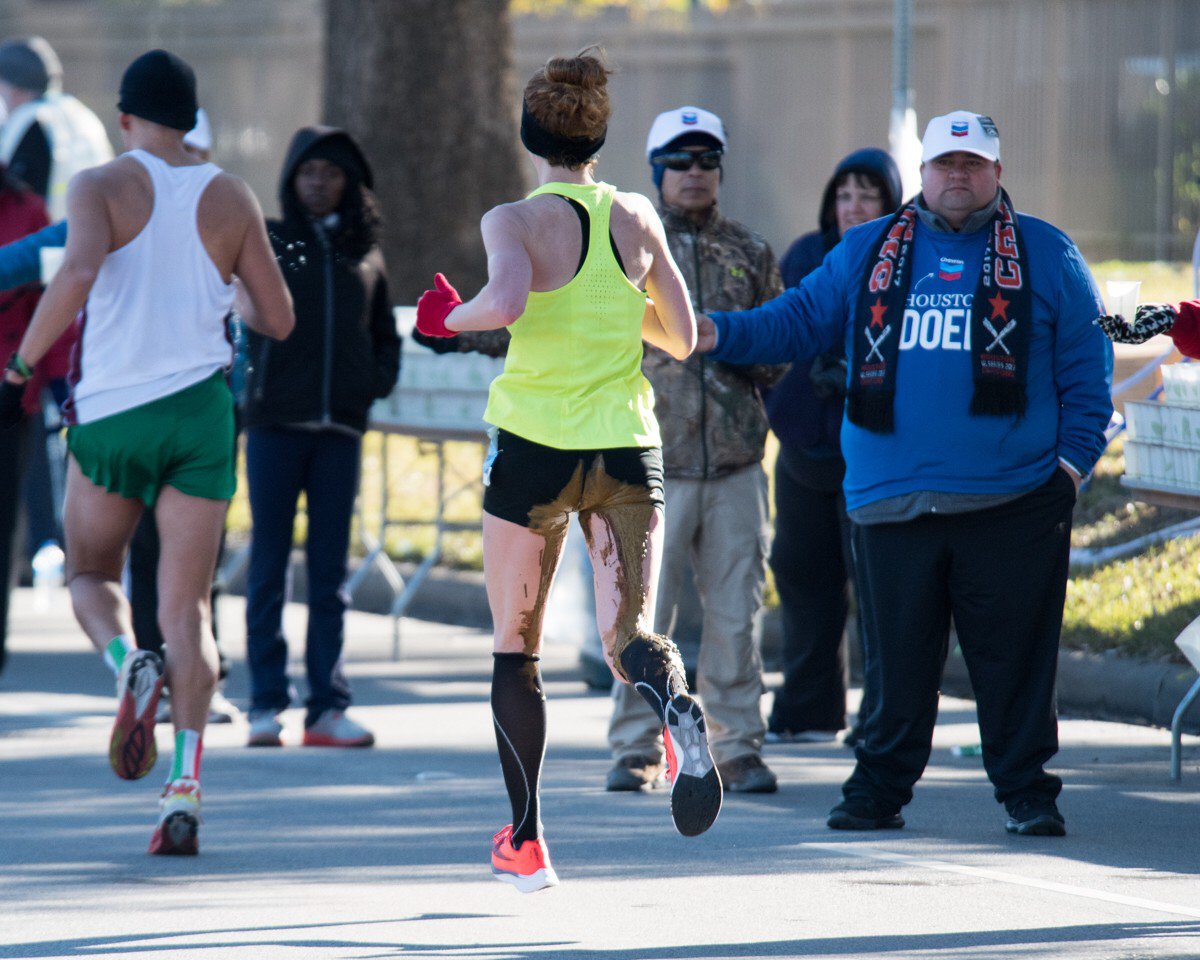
1080,89
801,83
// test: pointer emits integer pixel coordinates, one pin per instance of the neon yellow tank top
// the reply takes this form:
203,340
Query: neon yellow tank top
573,376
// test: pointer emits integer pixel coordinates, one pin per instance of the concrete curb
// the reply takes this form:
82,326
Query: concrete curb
1090,686
1097,687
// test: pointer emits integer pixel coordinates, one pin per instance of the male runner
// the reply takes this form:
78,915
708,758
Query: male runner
157,238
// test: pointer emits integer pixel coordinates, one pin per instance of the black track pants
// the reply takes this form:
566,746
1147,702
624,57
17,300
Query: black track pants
1001,573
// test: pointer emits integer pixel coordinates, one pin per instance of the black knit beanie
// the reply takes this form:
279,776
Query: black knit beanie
29,64
158,86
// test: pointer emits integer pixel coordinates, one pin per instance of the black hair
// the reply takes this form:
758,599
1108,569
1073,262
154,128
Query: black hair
864,176
361,221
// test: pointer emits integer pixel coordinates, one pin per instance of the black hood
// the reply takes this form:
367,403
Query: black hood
868,160
302,144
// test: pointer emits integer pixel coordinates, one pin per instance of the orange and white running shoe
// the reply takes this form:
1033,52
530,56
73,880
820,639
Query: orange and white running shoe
695,783
131,748
526,867
178,830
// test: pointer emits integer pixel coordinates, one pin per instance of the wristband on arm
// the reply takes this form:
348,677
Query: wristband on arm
19,366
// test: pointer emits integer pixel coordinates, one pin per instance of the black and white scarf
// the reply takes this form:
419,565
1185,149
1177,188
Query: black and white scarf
1001,316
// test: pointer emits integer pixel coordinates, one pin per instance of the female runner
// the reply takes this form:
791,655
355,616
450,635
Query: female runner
573,428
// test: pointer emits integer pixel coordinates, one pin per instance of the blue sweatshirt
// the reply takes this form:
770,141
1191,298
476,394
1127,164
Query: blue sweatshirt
21,260
937,444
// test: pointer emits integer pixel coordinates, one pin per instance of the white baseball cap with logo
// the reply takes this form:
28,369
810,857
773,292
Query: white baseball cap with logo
675,123
961,130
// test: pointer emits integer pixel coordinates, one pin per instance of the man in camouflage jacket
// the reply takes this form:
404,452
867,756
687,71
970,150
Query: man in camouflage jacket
713,428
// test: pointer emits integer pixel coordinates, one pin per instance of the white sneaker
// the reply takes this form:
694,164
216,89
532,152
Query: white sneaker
178,827
265,729
334,729
164,707
131,747
220,710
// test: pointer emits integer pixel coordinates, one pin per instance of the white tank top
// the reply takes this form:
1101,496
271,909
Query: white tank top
154,322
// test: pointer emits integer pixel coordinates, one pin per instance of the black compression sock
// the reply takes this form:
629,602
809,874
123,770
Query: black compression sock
519,715
652,664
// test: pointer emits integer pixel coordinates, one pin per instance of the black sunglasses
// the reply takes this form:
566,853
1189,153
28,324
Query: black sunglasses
683,160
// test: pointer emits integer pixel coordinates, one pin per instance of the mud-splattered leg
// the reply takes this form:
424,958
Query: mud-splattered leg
624,535
519,565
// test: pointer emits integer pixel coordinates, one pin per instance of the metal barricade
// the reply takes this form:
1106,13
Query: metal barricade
438,399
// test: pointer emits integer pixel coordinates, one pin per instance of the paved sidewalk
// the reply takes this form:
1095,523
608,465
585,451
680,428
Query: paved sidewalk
311,853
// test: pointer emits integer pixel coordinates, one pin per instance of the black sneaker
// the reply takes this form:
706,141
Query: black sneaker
1035,817
634,773
695,783
863,813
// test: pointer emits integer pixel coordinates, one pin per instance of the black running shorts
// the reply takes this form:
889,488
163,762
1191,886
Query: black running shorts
521,475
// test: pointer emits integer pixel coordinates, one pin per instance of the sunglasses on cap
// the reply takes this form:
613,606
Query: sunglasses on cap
681,160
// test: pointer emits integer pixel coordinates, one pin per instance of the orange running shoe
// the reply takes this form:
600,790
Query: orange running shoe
526,867
695,783
178,830
131,748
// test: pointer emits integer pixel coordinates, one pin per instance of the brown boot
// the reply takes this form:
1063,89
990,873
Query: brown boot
636,772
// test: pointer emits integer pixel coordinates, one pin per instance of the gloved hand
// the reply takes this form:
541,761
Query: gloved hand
828,375
1150,320
10,402
434,306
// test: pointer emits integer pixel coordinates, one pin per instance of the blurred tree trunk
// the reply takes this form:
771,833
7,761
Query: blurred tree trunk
426,88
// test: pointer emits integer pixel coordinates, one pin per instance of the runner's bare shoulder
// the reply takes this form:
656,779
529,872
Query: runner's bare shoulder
635,207
227,214
113,180
110,203
638,234
513,222
228,201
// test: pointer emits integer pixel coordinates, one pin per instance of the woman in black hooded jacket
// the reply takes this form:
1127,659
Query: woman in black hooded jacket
810,556
305,409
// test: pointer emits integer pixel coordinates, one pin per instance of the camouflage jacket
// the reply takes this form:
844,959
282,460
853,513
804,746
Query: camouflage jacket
711,415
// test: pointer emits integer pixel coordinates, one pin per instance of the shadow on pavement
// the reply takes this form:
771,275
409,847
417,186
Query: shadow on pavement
416,810
999,943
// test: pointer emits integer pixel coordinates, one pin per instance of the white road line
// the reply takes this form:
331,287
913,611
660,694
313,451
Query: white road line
866,852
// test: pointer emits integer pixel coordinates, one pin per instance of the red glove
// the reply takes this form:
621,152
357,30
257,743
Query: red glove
1186,329
434,307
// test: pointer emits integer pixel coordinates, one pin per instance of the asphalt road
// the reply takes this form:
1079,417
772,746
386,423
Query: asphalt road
316,853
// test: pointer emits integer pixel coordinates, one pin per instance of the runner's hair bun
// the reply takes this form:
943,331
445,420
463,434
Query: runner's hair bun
569,95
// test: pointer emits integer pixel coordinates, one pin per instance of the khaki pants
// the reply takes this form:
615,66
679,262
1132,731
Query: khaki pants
717,528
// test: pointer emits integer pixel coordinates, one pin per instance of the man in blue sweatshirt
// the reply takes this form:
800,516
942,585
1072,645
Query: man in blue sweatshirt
978,394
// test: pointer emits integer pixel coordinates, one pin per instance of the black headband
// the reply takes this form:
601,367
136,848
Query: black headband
538,140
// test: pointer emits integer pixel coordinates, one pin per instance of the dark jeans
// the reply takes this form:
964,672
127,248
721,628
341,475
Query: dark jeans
281,463
1002,574
143,590
42,493
13,445
810,558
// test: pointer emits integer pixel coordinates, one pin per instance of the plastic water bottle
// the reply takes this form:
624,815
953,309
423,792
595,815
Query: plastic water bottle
47,574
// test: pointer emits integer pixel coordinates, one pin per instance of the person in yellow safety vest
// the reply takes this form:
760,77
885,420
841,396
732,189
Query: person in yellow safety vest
48,136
